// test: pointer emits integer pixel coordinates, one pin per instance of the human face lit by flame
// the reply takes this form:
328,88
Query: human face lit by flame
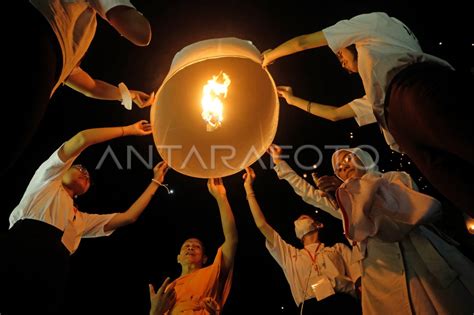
77,179
348,60
348,166
192,252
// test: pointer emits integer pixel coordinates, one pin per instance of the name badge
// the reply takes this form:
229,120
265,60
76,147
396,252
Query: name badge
322,287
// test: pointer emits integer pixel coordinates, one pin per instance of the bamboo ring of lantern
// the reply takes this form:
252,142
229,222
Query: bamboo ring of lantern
217,109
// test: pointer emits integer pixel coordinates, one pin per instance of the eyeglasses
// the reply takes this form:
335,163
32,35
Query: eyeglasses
344,62
345,161
82,170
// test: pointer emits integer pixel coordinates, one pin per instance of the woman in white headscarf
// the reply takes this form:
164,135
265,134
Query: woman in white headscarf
407,267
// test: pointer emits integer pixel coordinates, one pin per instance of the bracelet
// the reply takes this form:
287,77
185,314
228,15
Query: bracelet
123,132
252,194
170,191
308,107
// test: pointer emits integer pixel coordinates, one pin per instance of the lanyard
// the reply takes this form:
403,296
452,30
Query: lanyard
314,259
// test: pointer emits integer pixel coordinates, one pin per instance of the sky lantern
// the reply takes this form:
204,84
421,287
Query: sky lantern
217,109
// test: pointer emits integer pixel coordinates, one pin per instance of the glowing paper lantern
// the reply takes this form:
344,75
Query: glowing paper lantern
217,109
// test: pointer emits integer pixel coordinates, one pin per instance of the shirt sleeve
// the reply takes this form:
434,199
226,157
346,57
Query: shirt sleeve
403,177
223,282
51,169
347,32
364,113
94,224
351,264
281,251
103,6
391,141
307,192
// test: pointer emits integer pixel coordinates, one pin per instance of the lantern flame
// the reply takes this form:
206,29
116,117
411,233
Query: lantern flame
212,106
469,223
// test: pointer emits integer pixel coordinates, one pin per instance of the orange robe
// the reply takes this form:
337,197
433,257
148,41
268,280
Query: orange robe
202,283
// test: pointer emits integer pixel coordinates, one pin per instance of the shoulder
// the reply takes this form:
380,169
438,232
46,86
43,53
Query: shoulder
340,247
404,177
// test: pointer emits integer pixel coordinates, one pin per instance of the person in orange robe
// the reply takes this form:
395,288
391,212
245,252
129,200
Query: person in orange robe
201,290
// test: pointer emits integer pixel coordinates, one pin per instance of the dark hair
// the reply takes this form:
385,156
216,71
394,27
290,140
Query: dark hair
352,48
203,248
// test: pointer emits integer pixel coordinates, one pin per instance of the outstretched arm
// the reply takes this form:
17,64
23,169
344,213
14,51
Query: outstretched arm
217,190
88,137
131,24
294,45
316,197
329,112
257,213
132,214
82,82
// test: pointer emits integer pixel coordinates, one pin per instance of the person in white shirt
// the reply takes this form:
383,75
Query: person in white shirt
46,227
407,267
55,40
419,101
321,278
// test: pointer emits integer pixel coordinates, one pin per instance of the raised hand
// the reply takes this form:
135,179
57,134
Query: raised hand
248,177
159,171
328,184
162,300
275,152
285,91
265,58
140,128
216,188
142,99
210,305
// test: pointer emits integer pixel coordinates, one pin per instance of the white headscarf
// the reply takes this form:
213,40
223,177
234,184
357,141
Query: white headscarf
368,164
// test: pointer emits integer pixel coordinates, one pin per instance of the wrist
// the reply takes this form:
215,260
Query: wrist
248,188
277,161
124,131
249,194
221,197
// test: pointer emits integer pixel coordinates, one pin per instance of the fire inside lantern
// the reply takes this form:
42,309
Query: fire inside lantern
212,106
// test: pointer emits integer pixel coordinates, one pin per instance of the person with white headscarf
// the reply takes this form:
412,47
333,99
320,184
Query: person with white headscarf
407,267
322,278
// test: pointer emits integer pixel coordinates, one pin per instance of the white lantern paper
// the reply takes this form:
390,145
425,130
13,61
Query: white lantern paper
250,110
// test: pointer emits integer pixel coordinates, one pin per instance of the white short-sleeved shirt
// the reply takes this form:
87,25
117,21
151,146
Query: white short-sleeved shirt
362,108
385,46
74,23
299,268
46,200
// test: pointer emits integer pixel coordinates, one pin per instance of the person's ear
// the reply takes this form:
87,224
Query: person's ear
204,259
178,258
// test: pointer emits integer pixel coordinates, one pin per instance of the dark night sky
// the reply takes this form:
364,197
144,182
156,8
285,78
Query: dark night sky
110,275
